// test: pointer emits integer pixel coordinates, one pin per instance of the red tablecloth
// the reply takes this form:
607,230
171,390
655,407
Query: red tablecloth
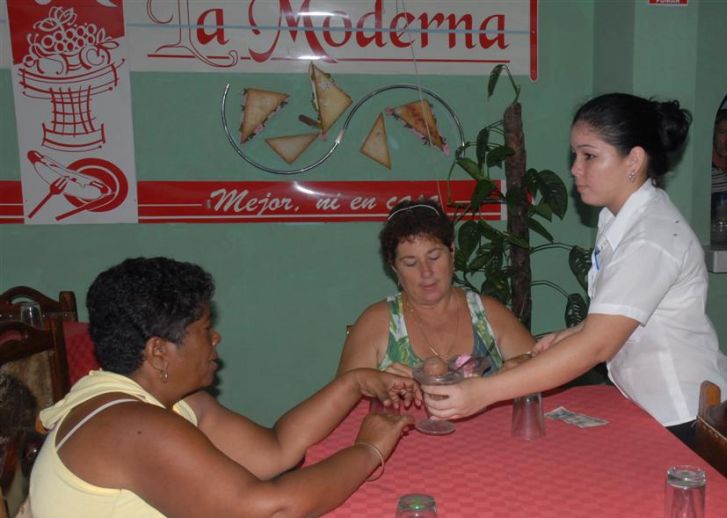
616,470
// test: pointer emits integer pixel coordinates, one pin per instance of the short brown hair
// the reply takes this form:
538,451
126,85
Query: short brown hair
410,219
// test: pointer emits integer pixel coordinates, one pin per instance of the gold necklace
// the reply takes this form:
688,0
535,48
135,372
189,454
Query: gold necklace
420,326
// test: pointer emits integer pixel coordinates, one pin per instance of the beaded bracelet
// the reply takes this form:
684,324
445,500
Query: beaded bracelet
378,453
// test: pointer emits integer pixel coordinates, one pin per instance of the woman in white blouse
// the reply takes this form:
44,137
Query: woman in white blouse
647,283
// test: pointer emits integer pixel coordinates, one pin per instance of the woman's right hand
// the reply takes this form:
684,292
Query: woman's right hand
458,400
384,430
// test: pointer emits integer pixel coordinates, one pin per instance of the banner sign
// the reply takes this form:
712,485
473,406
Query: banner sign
73,111
265,202
456,37
71,59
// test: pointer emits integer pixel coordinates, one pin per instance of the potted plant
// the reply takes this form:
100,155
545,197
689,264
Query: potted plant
501,258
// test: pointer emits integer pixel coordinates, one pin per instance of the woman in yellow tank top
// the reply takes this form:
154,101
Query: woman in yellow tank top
141,437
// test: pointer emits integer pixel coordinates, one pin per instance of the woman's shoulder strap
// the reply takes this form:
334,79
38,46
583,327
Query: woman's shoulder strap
90,415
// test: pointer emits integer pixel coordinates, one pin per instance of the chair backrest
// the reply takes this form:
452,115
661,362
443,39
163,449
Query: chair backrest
33,375
63,309
710,434
37,357
80,350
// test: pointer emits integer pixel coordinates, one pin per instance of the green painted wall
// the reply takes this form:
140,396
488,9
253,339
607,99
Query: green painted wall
286,292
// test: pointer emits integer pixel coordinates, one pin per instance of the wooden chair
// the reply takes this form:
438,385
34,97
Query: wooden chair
49,368
710,435
33,375
80,350
63,309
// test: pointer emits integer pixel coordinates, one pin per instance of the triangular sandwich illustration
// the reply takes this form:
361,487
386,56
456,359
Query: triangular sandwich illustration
376,145
257,108
328,99
418,117
290,148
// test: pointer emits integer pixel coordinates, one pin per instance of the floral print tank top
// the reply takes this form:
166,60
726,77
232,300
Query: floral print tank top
399,348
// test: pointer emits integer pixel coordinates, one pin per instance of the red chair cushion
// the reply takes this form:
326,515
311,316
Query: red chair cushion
80,350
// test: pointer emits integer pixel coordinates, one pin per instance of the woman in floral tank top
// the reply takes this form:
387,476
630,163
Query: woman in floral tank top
429,317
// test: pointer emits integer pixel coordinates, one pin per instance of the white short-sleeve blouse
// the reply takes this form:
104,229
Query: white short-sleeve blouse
649,266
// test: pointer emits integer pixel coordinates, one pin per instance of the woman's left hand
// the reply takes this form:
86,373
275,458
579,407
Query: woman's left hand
390,389
460,400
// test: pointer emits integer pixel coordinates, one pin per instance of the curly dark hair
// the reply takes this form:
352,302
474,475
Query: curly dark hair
142,298
410,219
626,121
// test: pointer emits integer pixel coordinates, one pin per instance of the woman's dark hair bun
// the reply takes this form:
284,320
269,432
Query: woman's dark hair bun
674,124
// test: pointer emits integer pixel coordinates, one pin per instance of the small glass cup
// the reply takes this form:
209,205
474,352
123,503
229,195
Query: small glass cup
434,426
684,492
416,505
470,366
30,314
528,421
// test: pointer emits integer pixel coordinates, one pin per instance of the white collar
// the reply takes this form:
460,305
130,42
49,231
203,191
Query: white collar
614,227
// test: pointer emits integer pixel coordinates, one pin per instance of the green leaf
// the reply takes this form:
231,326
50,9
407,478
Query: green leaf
541,209
480,261
460,261
494,76
531,179
497,154
496,249
516,240
471,167
553,191
576,309
496,285
491,233
536,226
483,137
468,237
579,260
482,191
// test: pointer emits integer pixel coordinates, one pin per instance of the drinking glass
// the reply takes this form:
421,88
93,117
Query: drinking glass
528,421
431,426
416,505
30,314
470,366
684,492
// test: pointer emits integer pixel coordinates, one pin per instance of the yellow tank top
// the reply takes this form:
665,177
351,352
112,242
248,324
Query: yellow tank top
55,492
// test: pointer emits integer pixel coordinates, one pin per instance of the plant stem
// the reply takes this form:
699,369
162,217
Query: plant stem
546,246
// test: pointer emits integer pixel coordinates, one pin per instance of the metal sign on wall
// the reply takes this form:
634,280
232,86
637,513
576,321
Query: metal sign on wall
457,37
72,97
268,202
71,60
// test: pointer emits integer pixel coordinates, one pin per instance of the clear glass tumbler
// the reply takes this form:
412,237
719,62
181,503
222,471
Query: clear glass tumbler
528,421
436,426
30,314
684,492
416,505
